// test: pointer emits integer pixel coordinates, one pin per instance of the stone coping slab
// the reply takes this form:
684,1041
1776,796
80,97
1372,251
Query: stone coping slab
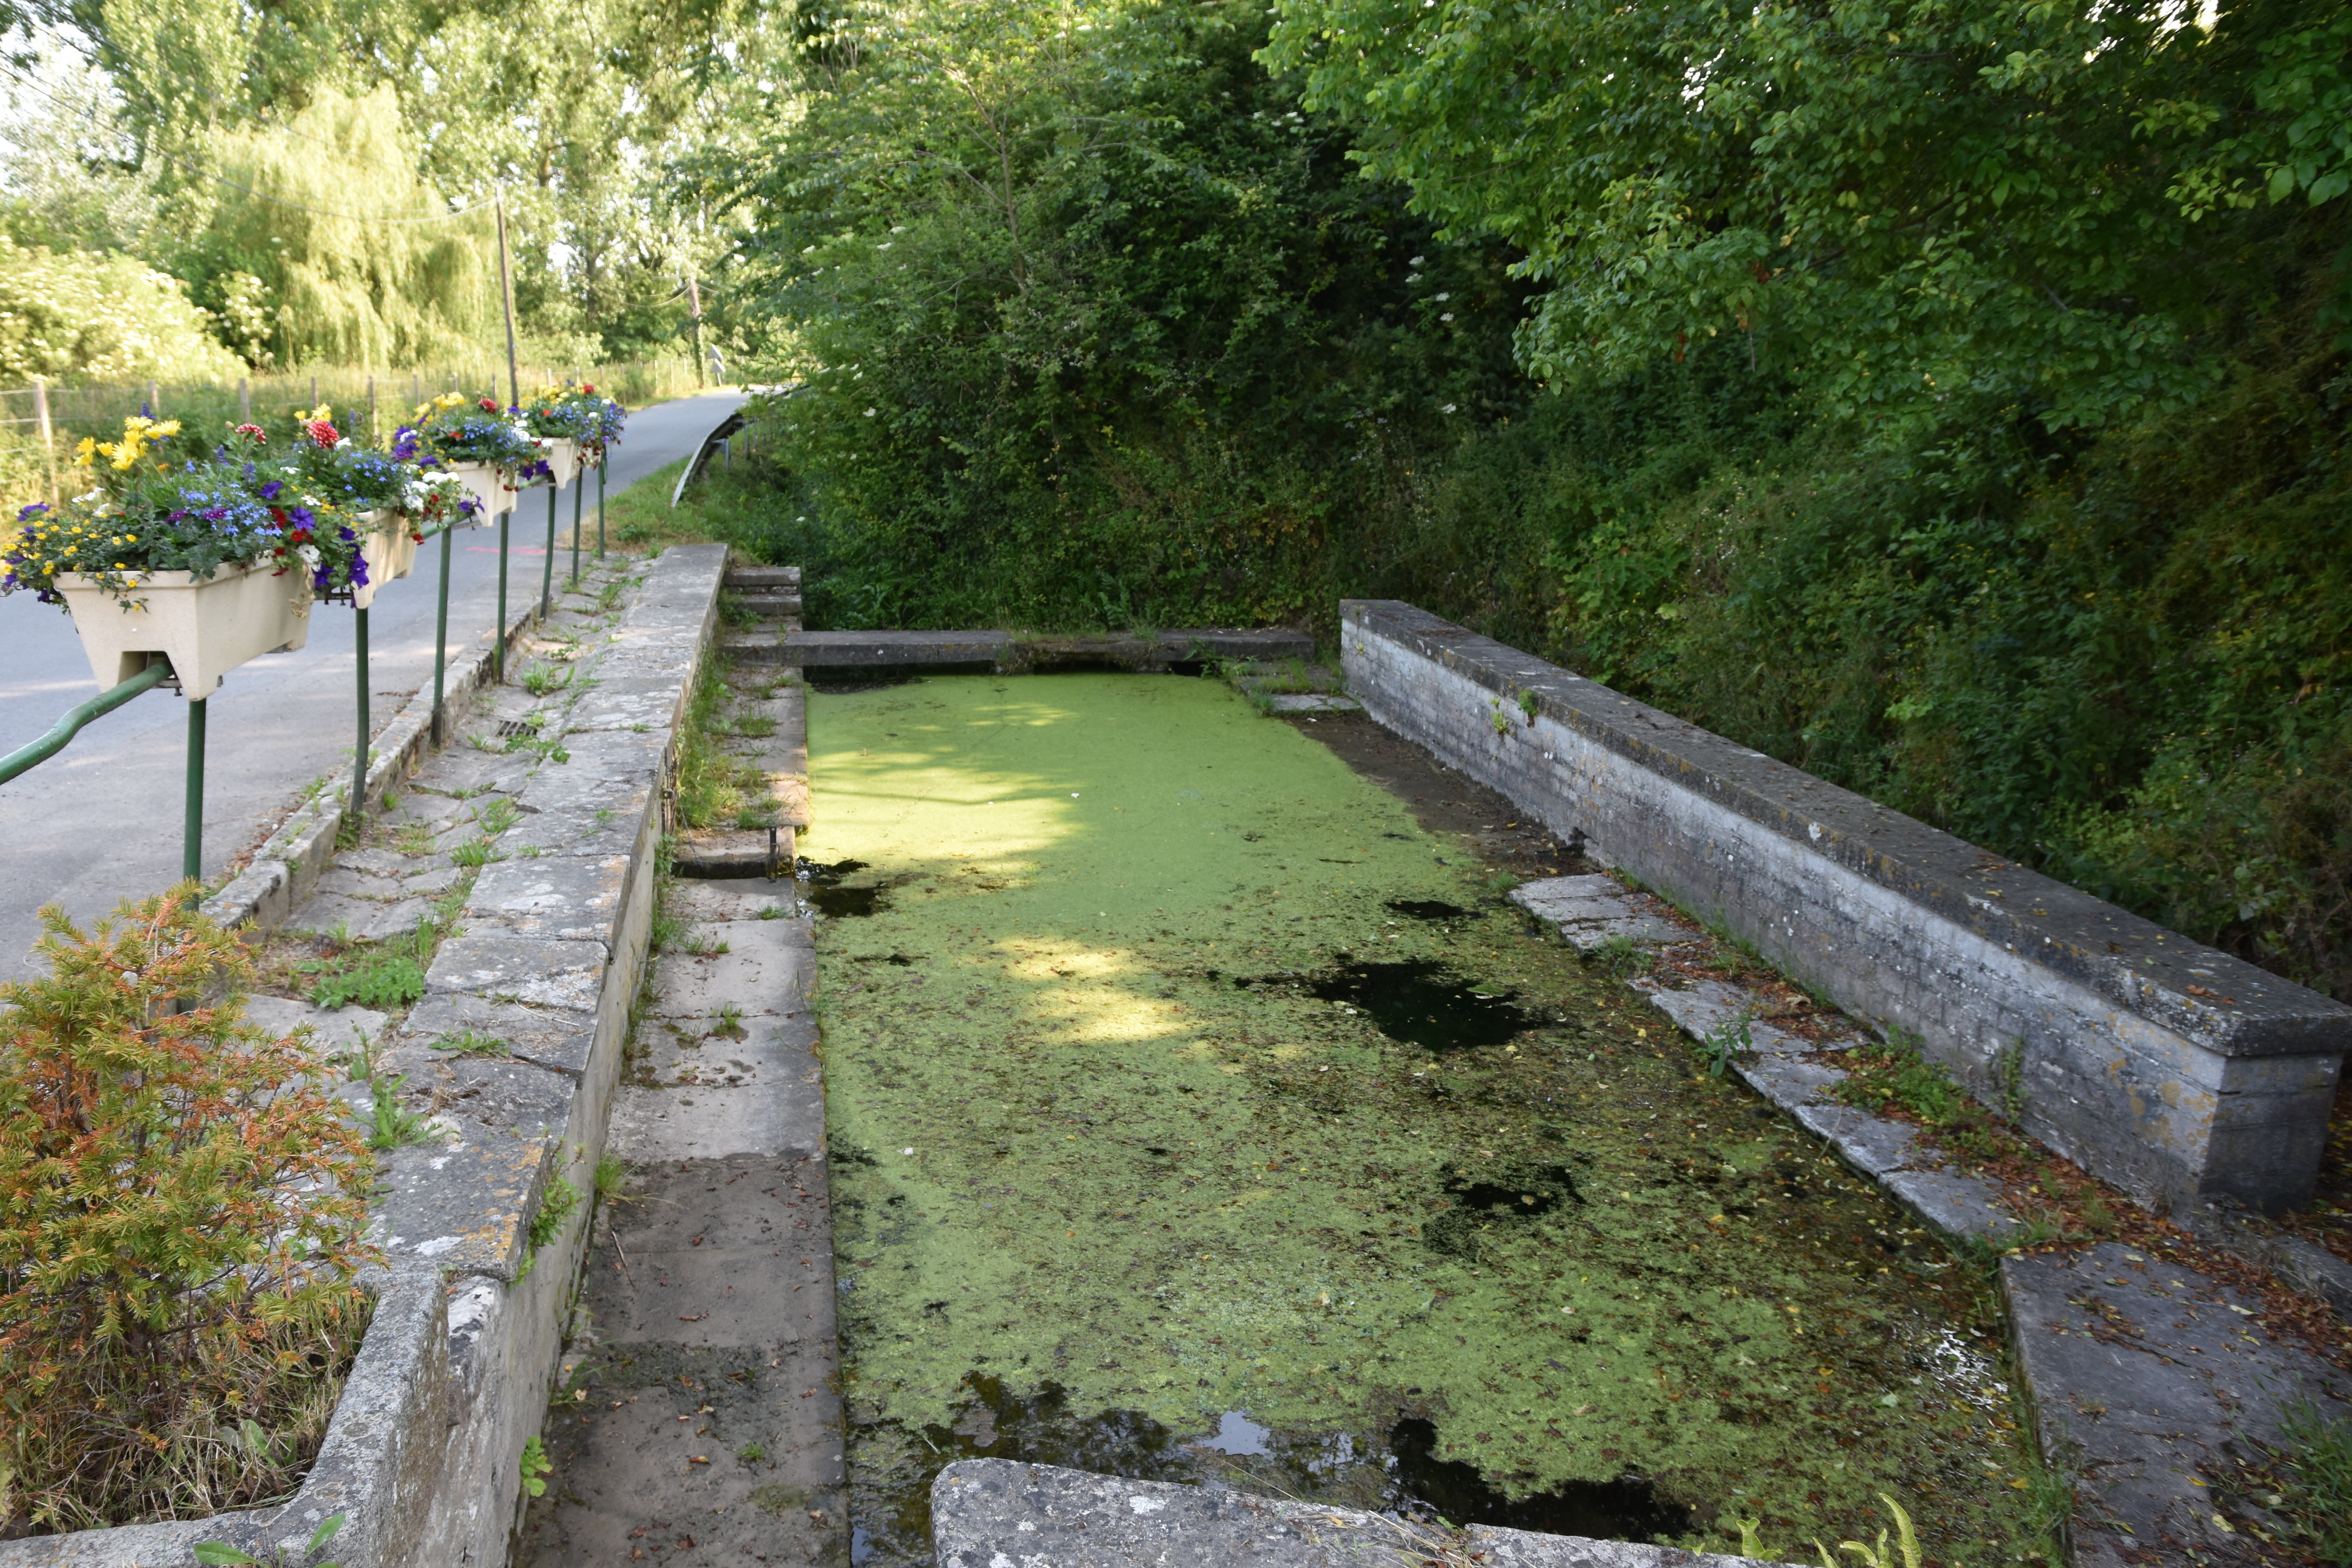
1002,1513
2173,1070
453,1373
2151,1386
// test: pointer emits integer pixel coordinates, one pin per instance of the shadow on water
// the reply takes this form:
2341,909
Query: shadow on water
823,890
1407,1478
1419,1004
1427,908
1623,1509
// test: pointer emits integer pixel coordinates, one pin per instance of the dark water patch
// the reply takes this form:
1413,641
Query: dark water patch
1478,1205
1627,1509
825,891
871,679
1408,1478
1418,1003
1428,908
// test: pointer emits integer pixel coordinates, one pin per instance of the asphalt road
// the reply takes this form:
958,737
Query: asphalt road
101,820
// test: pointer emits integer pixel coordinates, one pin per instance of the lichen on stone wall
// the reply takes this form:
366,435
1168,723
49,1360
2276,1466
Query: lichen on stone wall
1148,1115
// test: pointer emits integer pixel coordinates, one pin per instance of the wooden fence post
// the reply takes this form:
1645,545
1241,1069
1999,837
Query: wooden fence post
48,441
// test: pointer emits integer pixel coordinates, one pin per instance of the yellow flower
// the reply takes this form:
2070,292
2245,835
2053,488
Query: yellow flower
83,453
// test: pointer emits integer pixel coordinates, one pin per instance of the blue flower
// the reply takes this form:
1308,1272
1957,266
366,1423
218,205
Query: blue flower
270,491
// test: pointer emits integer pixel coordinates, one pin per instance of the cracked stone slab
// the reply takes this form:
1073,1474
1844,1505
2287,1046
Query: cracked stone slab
627,703
390,862
1709,1004
1791,1085
764,970
465,771
616,772
554,1037
1592,911
1002,1513
461,1206
494,1093
697,903
604,830
340,1029
713,1097
1877,1145
1959,1205
363,920
1312,702
2150,1379
526,969
349,881
568,898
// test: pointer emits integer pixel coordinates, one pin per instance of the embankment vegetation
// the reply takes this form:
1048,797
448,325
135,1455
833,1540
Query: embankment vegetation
1949,402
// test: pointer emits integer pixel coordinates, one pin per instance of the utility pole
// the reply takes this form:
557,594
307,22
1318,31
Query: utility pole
693,304
506,290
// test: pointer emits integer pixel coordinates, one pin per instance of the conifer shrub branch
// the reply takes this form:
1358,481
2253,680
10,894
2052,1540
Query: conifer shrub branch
181,1208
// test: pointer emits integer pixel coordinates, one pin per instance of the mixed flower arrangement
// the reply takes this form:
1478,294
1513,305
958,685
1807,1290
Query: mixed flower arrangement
595,420
154,502
460,430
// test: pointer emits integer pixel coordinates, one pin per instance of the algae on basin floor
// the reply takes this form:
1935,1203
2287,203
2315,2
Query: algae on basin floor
1123,1161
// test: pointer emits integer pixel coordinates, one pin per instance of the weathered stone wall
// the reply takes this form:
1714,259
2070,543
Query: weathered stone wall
455,1372
2171,1070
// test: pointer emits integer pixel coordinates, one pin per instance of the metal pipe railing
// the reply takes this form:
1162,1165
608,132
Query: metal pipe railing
67,728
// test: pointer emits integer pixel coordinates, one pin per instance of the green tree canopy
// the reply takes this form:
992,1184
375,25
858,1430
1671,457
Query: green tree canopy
1914,206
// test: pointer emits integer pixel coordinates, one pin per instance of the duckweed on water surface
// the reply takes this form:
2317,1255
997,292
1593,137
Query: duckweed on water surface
1181,1087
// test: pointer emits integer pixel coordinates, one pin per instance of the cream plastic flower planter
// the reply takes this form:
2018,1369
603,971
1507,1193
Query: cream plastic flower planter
205,627
388,549
563,459
487,485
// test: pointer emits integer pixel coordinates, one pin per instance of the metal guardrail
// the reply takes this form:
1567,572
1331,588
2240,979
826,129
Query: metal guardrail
24,757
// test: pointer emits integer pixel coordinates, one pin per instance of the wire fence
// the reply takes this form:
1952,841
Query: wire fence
41,425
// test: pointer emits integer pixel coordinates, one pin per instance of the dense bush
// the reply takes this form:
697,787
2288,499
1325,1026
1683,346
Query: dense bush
181,1206
1902,405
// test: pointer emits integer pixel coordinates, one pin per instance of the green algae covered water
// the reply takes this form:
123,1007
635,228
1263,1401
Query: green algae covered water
1194,1114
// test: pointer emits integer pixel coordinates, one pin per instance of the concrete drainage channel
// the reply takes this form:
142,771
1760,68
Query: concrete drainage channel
1160,1131
2150,1431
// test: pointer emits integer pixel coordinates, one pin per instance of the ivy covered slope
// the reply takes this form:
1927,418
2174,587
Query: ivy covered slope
1947,399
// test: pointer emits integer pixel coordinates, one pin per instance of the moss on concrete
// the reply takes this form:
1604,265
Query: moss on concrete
1071,1148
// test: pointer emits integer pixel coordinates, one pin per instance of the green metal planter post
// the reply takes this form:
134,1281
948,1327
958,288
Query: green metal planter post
441,635
547,568
499,632
578,490
600,506
192,837
360,757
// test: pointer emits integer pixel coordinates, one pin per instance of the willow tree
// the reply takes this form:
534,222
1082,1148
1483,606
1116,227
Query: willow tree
349,258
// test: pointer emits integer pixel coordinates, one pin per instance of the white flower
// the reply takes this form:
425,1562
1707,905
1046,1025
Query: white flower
869,413
1449,408
1447,317
1442,297
308,553
1416,261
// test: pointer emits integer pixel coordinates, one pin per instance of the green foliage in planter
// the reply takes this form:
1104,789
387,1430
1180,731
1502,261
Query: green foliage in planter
181,1216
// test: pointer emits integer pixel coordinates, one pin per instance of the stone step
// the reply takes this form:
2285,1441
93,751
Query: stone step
735,853
772,579
765,603
1004,650
883,650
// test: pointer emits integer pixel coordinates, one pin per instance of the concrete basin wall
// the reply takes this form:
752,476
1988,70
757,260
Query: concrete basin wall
2175,1071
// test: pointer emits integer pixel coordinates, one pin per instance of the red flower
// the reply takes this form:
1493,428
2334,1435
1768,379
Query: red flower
322,433
255,431
491,404
585,387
